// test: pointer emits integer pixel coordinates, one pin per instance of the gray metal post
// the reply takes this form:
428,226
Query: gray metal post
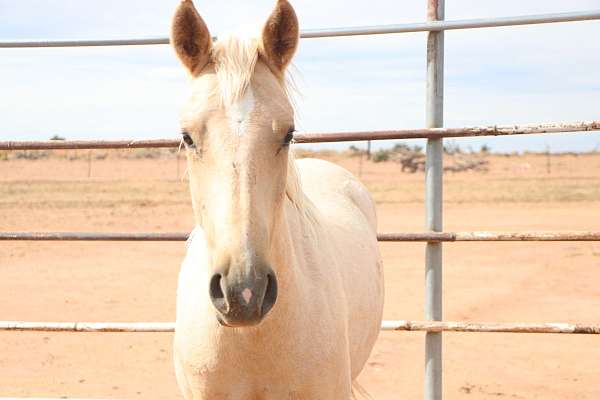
433,201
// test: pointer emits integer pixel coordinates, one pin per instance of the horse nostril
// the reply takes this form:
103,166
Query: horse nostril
244,302
216,294
270,295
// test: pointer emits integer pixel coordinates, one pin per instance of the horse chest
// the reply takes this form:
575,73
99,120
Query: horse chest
223,368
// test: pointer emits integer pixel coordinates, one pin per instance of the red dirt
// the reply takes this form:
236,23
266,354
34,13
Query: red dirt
499,282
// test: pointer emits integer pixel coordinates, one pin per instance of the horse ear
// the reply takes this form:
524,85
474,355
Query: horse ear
190,37
280,36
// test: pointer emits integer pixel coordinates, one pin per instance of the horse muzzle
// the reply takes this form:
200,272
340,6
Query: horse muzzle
243,299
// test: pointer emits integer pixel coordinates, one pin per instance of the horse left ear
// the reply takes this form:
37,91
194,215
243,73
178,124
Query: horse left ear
190,37
280,36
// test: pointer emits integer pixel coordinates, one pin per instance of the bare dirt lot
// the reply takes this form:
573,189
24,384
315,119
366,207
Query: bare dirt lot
500,282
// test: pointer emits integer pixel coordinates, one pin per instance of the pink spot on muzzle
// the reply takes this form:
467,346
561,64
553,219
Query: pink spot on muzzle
247,295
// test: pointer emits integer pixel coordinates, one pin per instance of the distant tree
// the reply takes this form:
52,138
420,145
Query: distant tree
452,148
381,156
485,148
355,151
56,137
401,147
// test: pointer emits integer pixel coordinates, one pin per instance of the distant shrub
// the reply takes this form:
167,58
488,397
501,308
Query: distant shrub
31,155
56,137
401,147
355,151
399,151
381,156
452,148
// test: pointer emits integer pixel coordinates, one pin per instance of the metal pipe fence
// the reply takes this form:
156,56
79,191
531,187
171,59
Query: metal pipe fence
397,325
434,184
429,26
325,137
546,236
434,133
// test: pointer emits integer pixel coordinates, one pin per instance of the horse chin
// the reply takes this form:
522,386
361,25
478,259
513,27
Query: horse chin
237,324
222,321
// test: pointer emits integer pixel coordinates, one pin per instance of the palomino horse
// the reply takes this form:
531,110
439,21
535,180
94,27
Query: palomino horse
281,292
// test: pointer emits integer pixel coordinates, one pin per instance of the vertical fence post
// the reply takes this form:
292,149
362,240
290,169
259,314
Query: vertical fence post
433,201
89,164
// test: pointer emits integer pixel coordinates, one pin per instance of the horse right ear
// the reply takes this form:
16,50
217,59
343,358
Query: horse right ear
190,37
280,36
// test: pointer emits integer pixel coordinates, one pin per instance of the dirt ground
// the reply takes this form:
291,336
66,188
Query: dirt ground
494,282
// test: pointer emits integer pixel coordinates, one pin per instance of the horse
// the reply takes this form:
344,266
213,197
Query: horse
280,294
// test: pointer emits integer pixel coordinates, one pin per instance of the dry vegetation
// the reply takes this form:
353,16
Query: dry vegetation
144,191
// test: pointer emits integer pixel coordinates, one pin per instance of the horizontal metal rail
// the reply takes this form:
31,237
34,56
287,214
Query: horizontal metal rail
397,325
432,26
88,144
107,327
442,326
543,236
23,44
436,26
425,133
95,236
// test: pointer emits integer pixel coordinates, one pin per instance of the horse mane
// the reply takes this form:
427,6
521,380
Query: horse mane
235,58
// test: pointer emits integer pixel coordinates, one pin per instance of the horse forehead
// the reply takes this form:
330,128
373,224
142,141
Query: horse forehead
240,110
201,99
260,100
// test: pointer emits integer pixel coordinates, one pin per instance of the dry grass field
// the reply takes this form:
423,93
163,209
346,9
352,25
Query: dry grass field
501,282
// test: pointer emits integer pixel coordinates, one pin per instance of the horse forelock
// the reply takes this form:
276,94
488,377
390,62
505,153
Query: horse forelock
234,59
235,56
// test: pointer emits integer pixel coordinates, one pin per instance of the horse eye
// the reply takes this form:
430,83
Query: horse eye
289,137
187,139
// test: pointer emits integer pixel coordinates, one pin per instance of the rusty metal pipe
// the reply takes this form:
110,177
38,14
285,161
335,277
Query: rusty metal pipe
324,137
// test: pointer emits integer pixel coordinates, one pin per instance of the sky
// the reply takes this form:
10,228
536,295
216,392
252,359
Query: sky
512,75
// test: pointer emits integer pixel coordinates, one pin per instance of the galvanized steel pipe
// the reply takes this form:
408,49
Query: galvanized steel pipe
429,26
397,325
538,236
434,172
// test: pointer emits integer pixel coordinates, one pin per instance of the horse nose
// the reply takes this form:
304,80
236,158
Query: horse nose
243,299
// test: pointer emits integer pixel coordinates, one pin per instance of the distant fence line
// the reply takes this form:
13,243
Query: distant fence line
397,325
545,236
323,137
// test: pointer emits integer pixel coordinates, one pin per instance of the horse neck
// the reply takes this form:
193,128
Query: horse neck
289,236
282,239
